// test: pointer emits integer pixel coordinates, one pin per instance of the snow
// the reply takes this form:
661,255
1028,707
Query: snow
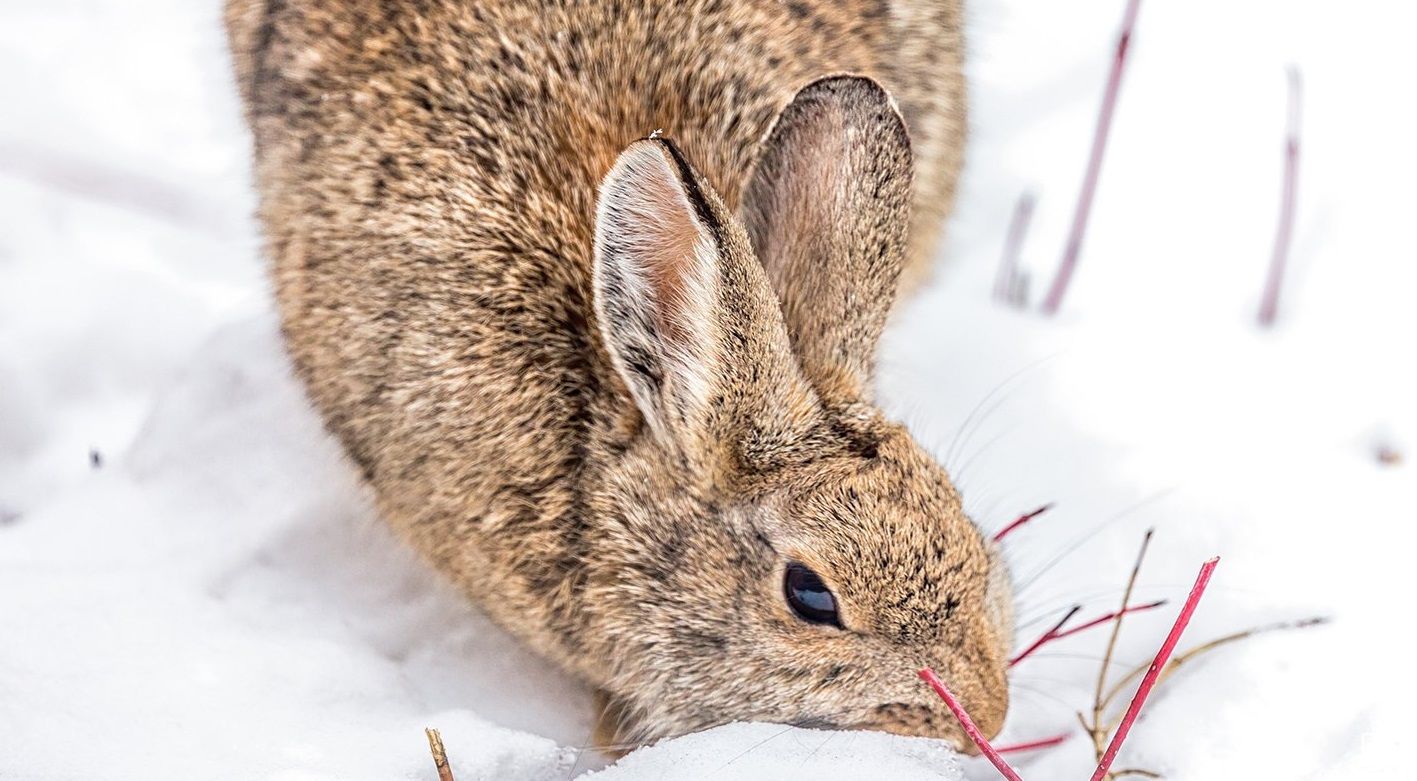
755,751
216,598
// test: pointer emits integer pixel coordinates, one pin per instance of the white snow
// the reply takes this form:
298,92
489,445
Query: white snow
217,600
757,751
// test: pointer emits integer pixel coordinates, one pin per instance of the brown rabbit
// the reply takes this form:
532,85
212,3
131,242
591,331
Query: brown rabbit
636,427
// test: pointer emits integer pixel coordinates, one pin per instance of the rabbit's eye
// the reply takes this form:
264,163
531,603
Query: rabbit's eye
809,597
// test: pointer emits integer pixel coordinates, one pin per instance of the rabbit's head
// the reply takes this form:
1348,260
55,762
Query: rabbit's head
776,549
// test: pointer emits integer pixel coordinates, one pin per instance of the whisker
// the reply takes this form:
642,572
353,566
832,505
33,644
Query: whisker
978,426
1073,597
754,747
1088,537
964,469
1072,656
1055,699
987,398
822,745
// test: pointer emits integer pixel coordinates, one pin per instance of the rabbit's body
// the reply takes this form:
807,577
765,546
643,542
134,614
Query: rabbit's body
429,174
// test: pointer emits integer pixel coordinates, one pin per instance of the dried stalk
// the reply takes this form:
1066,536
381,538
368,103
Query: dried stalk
1094,730
1191,654
440,755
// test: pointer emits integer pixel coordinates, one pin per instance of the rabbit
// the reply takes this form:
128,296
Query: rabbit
591,294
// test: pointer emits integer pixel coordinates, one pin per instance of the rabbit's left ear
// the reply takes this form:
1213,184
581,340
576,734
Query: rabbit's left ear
687,316
658,279
827,211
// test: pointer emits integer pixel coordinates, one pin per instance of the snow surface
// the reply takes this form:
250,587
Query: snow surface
193,584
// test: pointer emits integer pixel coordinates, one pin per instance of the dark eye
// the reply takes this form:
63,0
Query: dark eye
809,597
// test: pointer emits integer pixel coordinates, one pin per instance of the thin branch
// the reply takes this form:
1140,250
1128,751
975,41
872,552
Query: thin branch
1113,616
440,755
1094,163
1191,654
1058,633
968,725
1008,284
1021,520
1148,682
1034,745
1046,638
1269,304
1095,730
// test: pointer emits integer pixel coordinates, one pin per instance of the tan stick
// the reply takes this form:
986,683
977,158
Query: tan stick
1202,649
440,755
1099,735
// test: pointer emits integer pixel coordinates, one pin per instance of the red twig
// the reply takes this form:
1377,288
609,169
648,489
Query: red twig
1157,664
1057,632
1021,520
1034,745
967,723
1047,636
1094,164
1110,616
1008,286
1269,305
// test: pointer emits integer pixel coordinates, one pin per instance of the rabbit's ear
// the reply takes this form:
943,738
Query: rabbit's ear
657,278
827,210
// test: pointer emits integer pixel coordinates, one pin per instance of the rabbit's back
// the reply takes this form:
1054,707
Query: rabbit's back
429,172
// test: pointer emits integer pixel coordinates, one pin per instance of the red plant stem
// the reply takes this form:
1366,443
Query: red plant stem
1021,520
1110,616
1006,281
967,723
1033,745
1047,636
1094,164
1057,632
1157,665
1269,304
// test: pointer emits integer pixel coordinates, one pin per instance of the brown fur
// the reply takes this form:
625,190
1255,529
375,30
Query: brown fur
613,433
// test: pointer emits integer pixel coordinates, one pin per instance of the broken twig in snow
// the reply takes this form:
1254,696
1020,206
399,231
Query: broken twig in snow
1011,284
440,755
1269,304
1094,164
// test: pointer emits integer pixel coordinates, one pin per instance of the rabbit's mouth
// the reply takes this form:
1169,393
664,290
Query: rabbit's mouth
924,721
818,722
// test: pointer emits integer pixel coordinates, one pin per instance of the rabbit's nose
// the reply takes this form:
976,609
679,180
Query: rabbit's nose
984,698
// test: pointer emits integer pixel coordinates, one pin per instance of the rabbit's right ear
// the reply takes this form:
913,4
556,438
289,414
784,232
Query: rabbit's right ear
656,277
827,211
